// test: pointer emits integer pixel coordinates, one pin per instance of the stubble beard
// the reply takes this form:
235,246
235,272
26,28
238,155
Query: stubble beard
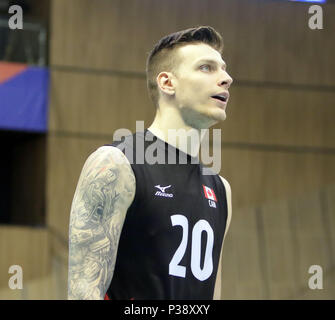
203,117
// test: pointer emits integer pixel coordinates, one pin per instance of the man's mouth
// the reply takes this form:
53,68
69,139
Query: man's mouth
221,96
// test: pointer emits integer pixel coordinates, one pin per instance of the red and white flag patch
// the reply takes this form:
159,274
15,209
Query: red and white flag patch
209,193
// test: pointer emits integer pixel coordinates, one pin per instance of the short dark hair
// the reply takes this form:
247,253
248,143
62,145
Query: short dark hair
163,56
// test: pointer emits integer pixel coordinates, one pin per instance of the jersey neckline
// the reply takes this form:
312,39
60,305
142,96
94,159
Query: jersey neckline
166,146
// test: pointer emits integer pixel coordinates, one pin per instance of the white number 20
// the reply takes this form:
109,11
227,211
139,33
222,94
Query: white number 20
180,271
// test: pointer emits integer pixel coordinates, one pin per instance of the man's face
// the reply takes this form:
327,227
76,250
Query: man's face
201,75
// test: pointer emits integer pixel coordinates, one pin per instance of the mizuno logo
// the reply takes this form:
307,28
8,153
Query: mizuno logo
162,192
162,188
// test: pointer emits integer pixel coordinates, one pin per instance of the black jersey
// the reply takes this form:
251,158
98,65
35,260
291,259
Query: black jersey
171,239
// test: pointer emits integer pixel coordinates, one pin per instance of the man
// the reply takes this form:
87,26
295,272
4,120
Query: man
155,231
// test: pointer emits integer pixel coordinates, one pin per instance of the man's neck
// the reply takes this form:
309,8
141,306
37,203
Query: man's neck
171,128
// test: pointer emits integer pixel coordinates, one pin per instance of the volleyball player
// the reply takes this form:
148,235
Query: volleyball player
142,230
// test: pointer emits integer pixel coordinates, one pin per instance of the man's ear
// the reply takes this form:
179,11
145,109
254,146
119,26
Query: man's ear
166,82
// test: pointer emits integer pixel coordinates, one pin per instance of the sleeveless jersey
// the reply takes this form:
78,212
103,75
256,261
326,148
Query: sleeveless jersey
170,243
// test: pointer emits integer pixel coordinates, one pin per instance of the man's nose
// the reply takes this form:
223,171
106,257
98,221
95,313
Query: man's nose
226,79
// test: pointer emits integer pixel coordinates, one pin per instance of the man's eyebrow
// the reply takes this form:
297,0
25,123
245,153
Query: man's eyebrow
212,61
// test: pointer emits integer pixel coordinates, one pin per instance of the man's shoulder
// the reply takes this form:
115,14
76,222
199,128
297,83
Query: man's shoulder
225,182
107,158
109,154
108,165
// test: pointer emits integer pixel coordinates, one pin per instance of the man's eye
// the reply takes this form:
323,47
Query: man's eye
206,67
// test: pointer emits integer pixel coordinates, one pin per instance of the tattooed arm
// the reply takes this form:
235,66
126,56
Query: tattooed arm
105,190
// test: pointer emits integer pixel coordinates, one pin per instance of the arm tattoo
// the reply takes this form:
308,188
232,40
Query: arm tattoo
104,192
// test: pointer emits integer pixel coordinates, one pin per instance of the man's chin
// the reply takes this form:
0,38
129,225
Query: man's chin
213,119
204,120
218,115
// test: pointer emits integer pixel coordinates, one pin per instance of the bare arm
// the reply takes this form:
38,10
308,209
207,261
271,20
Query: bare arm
217,289
105,190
